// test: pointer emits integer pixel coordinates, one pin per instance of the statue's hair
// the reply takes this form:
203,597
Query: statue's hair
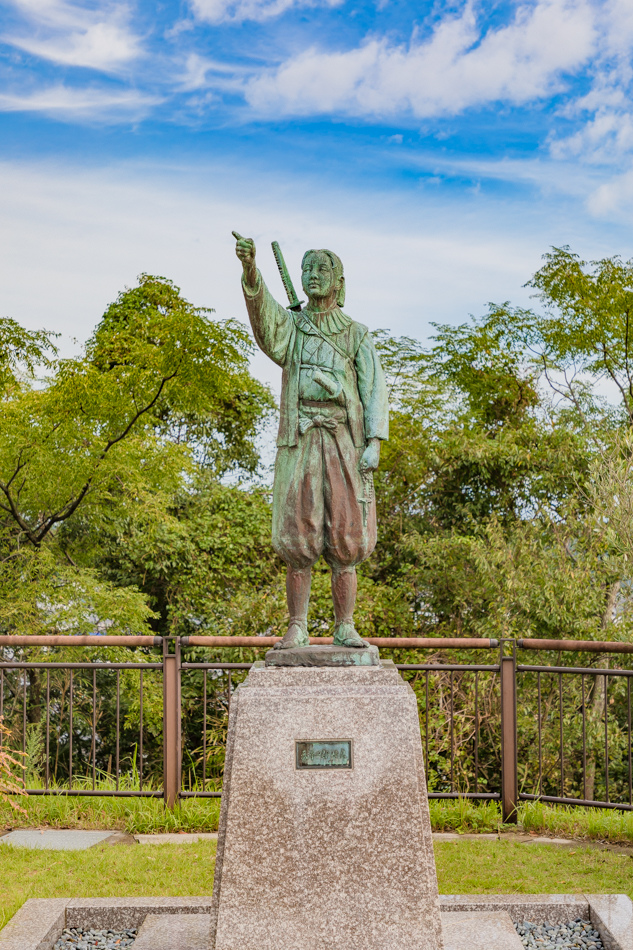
337,264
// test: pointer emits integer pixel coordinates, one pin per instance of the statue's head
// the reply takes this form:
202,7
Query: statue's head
322,276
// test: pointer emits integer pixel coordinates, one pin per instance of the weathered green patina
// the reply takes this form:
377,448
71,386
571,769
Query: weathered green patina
333,415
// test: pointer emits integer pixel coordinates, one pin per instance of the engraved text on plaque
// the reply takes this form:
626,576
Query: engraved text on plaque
324,754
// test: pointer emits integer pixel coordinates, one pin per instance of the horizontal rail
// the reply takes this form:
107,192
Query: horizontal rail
387,643
574,801
579,646
449,667
599,671
90,665
454,667
91,793
94,640
216,666
478,795
201,795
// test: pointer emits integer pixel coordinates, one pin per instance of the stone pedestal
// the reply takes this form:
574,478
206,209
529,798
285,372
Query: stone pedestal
324,839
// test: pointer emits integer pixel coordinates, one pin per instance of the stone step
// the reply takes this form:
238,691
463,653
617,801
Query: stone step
478,930
174,932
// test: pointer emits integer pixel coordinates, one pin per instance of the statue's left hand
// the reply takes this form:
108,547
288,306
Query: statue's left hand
371,456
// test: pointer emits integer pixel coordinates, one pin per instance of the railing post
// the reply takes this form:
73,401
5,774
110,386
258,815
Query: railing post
509,776
172,749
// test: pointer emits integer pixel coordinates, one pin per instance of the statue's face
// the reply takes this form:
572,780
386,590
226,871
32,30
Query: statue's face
317,277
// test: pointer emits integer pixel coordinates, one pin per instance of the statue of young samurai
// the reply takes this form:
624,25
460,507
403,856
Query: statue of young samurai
333,414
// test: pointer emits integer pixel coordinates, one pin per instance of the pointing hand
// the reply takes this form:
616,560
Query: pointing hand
245,249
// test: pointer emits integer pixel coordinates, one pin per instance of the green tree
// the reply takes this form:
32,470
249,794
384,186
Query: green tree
161,390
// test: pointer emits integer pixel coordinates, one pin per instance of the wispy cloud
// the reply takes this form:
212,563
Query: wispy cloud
460,66
614,198
217,11
74,35
83,105
606,111
200,72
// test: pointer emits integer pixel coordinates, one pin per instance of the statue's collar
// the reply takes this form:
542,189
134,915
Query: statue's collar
329,322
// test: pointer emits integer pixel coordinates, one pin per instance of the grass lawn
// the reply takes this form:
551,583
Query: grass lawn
463,867
149,815
135,815
489,867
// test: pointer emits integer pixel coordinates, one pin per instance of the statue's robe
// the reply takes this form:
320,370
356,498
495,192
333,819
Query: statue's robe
322,504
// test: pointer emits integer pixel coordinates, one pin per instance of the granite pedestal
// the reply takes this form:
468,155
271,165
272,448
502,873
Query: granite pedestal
318,849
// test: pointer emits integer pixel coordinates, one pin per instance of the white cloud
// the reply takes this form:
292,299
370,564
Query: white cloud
197,69
216,11
71,239
457,67
604,139
614,198
87,104
72,35
606,135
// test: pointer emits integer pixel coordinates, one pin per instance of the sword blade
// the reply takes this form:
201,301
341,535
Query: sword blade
293,301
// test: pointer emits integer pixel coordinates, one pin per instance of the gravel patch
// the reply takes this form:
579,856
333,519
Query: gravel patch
579,933
74,939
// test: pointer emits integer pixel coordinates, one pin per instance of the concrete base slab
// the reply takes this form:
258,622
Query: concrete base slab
483,930
54,839
115,913
174,932
469,921
538,908
36,926
612,916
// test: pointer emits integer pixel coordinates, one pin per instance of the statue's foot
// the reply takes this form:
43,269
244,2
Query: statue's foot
346,635
296,636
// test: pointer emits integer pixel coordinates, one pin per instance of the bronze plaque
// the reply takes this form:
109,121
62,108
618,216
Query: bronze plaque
324,754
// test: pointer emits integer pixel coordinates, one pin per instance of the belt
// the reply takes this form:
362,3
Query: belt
320,415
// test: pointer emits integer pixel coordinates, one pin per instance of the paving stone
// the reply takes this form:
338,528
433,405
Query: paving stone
174,932
485,930
37,924
612,915
57,840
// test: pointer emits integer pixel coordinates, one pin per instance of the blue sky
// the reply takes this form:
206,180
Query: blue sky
439,148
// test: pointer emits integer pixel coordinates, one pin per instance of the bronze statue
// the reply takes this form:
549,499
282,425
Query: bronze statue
333,415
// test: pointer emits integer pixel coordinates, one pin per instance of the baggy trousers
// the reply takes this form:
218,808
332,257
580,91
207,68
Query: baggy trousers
322,505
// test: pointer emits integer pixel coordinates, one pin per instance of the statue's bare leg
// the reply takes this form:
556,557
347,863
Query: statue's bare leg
298,594
344,586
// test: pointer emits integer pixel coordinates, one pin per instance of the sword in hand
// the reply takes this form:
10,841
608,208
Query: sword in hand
293,301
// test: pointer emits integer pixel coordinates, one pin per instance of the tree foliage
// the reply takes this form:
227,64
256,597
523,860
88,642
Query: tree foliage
160,391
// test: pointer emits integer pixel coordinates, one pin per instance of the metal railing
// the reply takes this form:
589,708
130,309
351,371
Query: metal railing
482,724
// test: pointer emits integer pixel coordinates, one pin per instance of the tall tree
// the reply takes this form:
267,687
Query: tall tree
161,389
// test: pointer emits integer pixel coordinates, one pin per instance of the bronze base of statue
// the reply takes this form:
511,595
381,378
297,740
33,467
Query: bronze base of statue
326,655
